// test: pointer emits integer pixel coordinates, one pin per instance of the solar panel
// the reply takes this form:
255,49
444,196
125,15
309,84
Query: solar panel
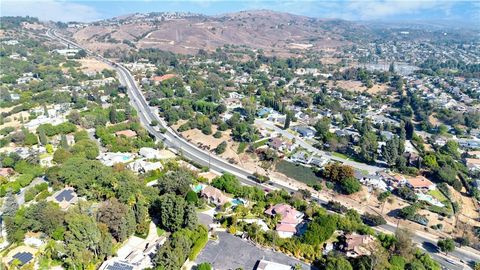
23,257
119,266
66,195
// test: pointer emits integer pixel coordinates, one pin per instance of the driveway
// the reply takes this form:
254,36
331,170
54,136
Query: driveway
231,252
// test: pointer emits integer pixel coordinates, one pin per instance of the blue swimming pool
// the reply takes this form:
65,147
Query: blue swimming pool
237,201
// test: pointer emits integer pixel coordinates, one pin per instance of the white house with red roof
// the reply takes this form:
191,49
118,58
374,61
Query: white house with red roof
290,219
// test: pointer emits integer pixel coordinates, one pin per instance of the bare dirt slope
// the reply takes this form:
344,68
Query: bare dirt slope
273,32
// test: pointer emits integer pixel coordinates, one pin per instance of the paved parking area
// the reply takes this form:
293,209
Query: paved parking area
231,252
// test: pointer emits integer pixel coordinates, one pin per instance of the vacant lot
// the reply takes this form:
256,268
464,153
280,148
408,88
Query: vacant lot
297,172
357,86
92,65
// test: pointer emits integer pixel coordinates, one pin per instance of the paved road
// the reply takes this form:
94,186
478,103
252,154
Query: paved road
190,151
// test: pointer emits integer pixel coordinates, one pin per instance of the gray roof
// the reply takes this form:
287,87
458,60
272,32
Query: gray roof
66,194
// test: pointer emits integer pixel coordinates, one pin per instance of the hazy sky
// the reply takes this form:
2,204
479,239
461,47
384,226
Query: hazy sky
385,10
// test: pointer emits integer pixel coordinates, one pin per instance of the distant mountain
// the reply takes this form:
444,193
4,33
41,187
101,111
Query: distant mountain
274,32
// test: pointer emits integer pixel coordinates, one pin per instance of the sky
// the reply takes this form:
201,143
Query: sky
467,11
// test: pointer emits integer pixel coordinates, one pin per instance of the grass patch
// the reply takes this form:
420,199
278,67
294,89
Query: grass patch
340,155
160,231
241,147
297,172
437,194
260,143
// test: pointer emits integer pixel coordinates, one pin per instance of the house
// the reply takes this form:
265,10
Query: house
301,157
290,219
358,245
127,133
319,161
280,145
64,197
142,166
214,195
473,164
305,131
268,265
6,172
110,158
420,183
149,153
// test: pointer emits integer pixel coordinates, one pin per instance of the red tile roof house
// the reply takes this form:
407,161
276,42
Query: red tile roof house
420,183
6,172
358,245
214,195
127,133
290,219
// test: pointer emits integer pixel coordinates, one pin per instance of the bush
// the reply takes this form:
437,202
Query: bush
217,134
350,185
199,244
373,220
221,148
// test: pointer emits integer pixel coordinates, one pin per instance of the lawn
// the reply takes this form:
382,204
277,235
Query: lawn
437,194
298,172
261,142
340,155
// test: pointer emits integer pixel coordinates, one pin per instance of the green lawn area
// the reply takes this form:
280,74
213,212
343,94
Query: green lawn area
298,172
340,155
260,143
160,232
437,194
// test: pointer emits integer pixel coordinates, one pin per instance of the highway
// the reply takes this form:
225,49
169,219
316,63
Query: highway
205,158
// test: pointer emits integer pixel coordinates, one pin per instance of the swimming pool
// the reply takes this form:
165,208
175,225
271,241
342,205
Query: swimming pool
237,201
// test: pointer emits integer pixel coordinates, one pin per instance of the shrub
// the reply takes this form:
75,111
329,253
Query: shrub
217,134
221,148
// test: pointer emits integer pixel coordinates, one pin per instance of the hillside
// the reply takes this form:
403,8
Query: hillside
274,32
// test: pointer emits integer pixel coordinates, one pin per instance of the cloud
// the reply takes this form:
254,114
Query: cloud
55,10
380,9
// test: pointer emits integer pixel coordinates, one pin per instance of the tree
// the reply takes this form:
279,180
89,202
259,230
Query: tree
350,185
408,212
173,212
86,148
63,141
446,245
113,116
220,149
204,266
10,205
177,182
287,121
404,245
368,147
390,151
319,230
61,155
43,137
337,262
409,129
227,182
336,172
118,217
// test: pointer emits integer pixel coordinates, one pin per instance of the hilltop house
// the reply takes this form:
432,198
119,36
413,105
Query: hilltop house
214,195
357,245
420,183
290,219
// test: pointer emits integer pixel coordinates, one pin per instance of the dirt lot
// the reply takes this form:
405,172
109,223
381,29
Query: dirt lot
14,120
92,65
357,86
